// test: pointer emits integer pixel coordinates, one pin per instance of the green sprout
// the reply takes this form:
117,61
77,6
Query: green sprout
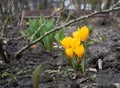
39,27
36,77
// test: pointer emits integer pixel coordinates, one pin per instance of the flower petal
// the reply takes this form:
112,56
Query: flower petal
75,34
66,42
76,42
69,52
83,33
79,51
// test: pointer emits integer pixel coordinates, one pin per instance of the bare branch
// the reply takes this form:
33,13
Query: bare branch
2,51
7,18
65,25
22,17
115,4
37,30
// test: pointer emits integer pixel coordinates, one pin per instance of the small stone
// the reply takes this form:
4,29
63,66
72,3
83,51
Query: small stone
117,85
92,69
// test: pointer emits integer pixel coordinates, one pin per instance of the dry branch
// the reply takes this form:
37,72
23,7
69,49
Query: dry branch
65,25
2,51
7,18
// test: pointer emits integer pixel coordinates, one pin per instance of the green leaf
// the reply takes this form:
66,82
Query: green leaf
34,32
59,35
33,26
90,27
42,18
47,43
36,77
5,74
23,33
20,72
48,40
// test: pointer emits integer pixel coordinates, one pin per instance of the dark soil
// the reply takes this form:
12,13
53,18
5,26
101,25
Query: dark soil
56,72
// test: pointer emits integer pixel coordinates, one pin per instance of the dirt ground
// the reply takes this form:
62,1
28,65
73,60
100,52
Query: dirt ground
56,72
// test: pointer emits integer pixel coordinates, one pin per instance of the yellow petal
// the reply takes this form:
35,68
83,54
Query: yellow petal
69,52
79,51
76,42
75,34
83,33
66,42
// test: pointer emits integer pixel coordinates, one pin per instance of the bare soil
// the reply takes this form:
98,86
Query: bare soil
56,72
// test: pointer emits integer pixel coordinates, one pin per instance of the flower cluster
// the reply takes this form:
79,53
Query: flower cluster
74,45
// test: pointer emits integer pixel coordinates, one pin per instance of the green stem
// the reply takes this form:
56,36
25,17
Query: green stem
83,66
83,60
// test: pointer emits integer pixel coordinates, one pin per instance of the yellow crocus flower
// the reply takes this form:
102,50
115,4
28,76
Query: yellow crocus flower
66,42
75,43
79,51
83,33
75,34
69,52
